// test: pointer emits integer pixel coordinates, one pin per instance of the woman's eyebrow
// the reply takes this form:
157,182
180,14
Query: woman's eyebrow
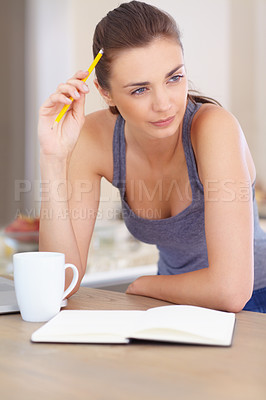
148,83
174,70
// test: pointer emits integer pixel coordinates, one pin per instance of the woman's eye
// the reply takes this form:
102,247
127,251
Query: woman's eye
139,91
176,78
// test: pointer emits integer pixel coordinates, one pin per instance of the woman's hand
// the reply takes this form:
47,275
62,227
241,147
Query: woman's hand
59,139
139,286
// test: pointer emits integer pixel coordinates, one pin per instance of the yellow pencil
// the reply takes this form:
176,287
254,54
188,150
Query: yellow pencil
91,68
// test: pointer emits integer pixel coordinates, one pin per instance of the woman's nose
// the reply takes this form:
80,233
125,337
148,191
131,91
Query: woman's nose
161,101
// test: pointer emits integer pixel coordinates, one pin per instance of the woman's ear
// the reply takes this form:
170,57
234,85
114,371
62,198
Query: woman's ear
104,93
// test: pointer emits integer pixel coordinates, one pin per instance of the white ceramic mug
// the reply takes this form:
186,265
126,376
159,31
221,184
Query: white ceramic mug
39,279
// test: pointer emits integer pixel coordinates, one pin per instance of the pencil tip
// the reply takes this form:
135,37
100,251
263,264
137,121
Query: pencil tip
54,124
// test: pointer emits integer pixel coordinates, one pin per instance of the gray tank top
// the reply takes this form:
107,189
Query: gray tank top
180,239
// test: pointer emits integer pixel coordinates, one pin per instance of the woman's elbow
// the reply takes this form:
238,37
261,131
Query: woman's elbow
235,300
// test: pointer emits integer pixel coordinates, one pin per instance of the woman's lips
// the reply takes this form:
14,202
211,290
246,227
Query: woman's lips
163,122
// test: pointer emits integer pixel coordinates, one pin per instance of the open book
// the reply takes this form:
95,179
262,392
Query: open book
174,323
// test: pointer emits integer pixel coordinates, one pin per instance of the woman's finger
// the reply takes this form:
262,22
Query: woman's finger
78,107
79,85
80,75
55,99
73,89
69,90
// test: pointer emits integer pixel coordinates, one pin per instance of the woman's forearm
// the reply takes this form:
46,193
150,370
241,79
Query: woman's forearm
56,230
57,143
199,288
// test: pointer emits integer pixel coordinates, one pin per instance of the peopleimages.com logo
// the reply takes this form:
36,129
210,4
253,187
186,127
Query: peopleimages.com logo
138,190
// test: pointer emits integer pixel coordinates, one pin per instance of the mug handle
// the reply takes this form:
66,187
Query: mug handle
74,280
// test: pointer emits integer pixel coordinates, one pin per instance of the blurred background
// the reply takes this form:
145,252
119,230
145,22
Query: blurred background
43,42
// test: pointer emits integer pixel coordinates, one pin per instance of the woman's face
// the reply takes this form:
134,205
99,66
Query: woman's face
149,87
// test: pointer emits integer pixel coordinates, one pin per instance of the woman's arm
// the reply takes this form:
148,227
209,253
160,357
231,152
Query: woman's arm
227,283
68,209
60,148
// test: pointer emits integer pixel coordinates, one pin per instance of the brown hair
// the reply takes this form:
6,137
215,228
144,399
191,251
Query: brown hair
131,25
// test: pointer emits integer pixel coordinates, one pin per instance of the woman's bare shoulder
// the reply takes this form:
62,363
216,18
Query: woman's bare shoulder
211,116
93,151
99,125
216,130
213,124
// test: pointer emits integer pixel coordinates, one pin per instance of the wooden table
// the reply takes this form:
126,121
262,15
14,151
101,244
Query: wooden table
141,371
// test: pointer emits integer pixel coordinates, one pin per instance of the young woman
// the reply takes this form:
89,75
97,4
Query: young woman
187,152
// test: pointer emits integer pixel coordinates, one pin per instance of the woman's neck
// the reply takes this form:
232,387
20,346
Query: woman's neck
154,150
